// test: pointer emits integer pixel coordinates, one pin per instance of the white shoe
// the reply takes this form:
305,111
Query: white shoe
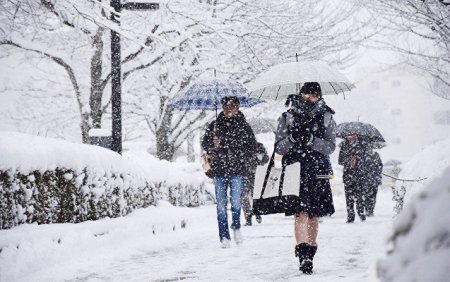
225,243
238,236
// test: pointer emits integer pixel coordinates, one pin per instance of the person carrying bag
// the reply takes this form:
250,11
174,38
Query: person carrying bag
306,136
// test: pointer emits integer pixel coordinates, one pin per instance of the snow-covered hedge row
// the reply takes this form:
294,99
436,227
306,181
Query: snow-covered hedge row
65,195
46,180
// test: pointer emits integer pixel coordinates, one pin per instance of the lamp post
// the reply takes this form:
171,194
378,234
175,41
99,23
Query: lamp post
116,72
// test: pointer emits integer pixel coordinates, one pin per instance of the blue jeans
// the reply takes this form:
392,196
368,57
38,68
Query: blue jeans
236,184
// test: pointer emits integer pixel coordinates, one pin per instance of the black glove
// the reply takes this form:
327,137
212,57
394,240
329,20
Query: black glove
300,135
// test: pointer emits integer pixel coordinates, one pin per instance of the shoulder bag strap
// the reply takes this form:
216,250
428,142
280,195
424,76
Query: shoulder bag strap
269,168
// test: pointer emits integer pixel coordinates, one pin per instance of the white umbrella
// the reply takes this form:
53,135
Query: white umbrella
282,80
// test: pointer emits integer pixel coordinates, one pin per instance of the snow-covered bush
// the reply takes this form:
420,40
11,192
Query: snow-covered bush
46,180
419,247
429,163
66,195
420,243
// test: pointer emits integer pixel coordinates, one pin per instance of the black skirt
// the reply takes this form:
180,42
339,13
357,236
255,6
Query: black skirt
315,196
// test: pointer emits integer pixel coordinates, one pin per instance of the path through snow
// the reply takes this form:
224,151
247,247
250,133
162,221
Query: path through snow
130,252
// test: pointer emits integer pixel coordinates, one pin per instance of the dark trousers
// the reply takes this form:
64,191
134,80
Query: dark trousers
370,198
354,193
247,194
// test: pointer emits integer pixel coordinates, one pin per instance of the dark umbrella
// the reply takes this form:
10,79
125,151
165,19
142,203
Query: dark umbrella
377,145
393,163
364,130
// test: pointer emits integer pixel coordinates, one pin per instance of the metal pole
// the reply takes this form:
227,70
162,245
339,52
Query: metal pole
116,72
116,79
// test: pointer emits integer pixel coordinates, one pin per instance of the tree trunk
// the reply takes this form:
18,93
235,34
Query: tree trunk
85,127
164,148
95,99
190,148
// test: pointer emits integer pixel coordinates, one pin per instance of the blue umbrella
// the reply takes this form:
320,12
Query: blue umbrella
207,95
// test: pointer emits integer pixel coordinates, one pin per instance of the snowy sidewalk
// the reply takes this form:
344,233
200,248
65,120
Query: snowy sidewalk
347,252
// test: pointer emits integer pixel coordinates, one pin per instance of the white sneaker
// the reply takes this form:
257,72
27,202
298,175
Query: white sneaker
238,236
225,243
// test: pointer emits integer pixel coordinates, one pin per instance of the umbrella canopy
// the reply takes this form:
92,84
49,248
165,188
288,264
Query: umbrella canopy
283,80
378,145
393,163
365,130
207,95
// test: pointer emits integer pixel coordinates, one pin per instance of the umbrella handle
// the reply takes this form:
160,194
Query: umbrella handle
215,122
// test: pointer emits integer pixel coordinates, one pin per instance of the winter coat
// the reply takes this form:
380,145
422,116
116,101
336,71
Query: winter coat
374,168
367,167
238,145
315,196
352,175
260,157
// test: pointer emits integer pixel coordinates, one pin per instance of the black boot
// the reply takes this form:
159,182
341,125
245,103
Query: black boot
305,254
248,220
307,269
350,218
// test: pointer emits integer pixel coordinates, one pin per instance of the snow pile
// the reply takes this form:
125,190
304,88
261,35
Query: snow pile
429,163
31,249
27,153
420,243
52,181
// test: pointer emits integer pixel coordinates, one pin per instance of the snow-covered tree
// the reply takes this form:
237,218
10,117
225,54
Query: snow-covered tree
164,51
419,30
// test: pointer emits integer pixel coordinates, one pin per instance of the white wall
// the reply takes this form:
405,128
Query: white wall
398,102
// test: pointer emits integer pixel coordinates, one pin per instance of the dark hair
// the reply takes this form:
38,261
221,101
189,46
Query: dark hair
311,88
230,99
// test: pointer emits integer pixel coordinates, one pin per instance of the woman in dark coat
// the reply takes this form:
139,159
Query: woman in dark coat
306,134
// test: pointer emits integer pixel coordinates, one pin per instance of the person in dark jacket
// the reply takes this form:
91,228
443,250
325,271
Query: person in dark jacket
306,134
352,156
228,141
259,158
374,168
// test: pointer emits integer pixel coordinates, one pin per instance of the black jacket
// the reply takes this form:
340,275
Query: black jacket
357,174
374,168
238,145
314,157
260,157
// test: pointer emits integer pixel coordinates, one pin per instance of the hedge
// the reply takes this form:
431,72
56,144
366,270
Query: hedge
64,195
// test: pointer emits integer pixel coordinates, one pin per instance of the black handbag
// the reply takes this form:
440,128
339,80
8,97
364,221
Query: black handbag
276,190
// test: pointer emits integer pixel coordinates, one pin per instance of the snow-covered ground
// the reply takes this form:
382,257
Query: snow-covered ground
166,243
151,245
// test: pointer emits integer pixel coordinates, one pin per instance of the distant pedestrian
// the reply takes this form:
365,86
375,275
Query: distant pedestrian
351,156
372,179
306,134
228,141
259,158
